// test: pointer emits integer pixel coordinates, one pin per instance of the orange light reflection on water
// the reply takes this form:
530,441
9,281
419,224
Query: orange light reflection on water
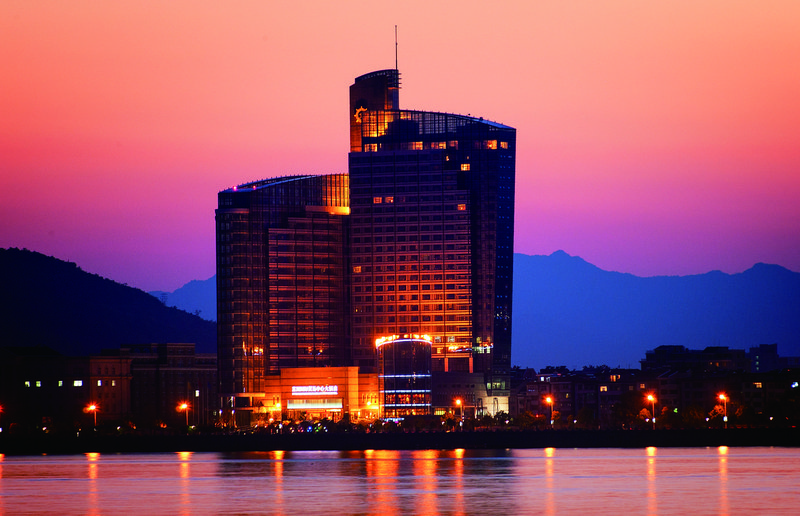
185,475
92,497
652,501
724,507
382,467
425,476
550,496
458,472
277,457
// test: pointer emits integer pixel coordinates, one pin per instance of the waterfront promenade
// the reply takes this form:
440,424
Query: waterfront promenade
53,444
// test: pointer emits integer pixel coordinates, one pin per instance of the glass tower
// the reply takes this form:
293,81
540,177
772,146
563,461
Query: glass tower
281,285
417,239
431,231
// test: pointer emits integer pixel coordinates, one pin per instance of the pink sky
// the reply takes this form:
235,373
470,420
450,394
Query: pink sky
653,137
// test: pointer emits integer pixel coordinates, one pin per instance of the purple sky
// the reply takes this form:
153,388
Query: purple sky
653,137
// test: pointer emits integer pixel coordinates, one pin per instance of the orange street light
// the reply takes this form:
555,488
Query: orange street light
549,401
652,399
724,399
185,408
93,409
460,410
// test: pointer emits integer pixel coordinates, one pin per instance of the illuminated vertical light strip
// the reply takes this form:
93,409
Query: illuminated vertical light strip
724,506
652,502
550,498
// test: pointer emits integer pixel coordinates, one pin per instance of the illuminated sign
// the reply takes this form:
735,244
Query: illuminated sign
380,341
314,390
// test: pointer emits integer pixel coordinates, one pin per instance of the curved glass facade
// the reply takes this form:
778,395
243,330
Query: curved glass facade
404,378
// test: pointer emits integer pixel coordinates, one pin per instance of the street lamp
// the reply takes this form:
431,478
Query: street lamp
549,401
185,408
724,399
93,409
652,399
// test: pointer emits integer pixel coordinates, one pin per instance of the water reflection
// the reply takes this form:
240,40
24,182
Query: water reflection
277,465
724,510
185,473
92,474
460,482
550,497
652,504
382,466
424,466
2,505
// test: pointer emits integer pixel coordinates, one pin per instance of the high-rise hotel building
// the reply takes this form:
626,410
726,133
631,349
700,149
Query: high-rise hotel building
417,239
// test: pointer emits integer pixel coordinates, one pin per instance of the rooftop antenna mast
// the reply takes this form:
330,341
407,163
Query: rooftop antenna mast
395,47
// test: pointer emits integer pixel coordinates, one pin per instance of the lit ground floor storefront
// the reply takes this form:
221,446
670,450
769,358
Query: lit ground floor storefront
312,393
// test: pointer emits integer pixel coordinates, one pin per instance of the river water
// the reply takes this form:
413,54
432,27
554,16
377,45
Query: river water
536,481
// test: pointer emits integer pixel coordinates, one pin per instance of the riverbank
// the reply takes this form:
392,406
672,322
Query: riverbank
49,444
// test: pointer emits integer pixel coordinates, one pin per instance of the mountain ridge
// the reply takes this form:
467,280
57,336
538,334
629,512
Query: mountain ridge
54,303
568,311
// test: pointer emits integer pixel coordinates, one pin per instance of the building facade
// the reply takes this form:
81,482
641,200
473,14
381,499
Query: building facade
417,238
167,375
432,232
281,292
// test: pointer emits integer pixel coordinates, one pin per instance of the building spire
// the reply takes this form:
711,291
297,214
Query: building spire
395,48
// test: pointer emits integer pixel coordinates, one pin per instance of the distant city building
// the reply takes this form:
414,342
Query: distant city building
690,389
166,375
712,358
139,385
417,239
40,388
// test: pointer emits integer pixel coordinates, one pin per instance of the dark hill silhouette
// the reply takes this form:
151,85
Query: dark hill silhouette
48,302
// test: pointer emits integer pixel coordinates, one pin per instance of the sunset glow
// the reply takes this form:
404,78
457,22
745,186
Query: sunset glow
653,138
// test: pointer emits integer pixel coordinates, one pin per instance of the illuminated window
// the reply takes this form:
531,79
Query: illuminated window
38,383
462,207
465,166
490,144
99,383
603,388
641,386
27,383
113,383
439,145
77,383
416,145
377,200
503,145
61,383
757,385
390,200
357,268
197,393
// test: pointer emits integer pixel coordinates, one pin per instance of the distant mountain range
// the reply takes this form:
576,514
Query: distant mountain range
49,302
197,297
569,312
